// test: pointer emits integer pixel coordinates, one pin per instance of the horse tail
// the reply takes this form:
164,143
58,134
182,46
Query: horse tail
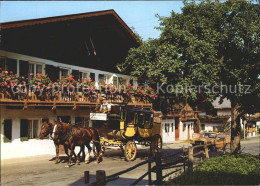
96,141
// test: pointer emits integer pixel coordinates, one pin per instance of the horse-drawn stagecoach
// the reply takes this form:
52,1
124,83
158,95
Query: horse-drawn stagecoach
125,127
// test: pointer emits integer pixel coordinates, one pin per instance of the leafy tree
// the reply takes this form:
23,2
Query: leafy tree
211,44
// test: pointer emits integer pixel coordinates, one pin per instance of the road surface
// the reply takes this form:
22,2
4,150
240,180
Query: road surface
41,170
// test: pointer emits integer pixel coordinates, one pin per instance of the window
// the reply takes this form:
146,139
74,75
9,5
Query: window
33,129
172,127
28,129
8,64
147,118
64,72
34,69
7,130
141,119
101,78
83,121
166,127
84,75
184,127
117,81
65,119
131,117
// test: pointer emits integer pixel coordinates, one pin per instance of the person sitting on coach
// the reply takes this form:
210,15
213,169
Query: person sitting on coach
105,107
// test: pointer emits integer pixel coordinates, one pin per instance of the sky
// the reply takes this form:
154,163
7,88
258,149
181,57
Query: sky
137,14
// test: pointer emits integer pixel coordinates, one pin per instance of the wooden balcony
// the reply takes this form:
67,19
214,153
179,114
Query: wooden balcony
73,100
214,119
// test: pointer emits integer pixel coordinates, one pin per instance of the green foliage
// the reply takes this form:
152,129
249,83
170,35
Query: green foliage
223,170
209,43
41,81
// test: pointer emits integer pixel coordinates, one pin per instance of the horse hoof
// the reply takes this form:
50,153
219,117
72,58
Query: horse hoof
87,162
67,166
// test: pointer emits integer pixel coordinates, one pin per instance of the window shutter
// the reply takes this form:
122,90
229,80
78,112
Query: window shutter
52,72
3,64
45,119
24,123
12,65
92,76
75,73
7,130
24,68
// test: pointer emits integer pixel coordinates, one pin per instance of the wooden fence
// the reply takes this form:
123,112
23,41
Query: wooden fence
178,163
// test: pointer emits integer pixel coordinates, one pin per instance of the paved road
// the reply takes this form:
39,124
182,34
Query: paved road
251,145
40,170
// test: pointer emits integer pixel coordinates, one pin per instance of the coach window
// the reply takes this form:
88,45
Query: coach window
7,130
141,120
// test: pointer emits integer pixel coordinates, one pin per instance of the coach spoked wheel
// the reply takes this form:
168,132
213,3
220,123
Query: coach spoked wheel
156,145
130,151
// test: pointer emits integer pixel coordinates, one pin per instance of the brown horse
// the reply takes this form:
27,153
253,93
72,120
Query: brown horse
77,136
46,129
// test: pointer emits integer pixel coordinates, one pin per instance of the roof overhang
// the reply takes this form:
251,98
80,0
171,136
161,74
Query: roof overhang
97,40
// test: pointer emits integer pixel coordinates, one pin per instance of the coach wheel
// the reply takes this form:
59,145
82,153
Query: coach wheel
130,151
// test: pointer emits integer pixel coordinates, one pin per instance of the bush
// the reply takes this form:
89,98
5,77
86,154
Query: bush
226,169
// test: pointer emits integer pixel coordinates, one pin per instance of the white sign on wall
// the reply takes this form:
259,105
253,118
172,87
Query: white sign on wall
98,116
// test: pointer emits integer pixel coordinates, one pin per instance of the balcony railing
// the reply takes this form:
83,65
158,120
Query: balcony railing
210,118
75,99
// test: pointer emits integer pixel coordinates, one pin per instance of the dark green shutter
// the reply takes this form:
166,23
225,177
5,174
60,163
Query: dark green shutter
92,76
2,64
7,130
12,65
24,124
24,68
75,73
53,72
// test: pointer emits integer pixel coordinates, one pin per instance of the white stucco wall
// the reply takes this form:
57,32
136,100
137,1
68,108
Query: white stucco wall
209,127
168,137
223,112
32,147
184,131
